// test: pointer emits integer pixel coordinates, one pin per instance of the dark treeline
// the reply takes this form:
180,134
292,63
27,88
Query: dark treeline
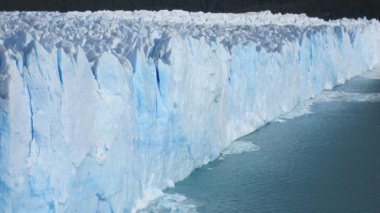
327,9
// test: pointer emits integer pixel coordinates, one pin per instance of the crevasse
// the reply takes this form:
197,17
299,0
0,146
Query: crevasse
98,110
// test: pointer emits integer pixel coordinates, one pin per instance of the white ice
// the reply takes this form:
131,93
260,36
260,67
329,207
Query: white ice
100,110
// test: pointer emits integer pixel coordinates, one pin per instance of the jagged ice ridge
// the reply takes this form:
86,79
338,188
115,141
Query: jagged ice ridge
100,110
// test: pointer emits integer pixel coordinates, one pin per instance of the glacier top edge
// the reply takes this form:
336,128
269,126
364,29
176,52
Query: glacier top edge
198,18
122,32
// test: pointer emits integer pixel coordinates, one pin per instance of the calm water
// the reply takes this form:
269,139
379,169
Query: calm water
328,161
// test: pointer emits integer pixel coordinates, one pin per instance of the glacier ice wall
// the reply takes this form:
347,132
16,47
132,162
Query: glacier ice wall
100,110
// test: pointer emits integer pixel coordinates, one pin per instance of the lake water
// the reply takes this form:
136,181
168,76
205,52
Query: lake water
326,161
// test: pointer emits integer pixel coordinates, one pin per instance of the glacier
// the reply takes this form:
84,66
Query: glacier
99,111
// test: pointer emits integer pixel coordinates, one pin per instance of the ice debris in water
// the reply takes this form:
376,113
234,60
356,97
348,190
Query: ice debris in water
173,203
240,146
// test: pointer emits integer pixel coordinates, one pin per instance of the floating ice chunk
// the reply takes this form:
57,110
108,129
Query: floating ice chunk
147,196
238,147
171,203
303,108
373,74
337,96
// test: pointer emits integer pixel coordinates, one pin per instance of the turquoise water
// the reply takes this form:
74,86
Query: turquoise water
327,161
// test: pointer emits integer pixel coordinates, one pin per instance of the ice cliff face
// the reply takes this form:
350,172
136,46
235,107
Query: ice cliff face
99,110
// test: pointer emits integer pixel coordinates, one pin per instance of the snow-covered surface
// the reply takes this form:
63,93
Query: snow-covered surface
99,111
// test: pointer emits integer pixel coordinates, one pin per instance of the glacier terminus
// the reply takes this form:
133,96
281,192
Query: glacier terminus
99,111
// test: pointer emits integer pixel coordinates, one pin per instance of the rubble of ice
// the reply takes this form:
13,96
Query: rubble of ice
240,146
98,110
